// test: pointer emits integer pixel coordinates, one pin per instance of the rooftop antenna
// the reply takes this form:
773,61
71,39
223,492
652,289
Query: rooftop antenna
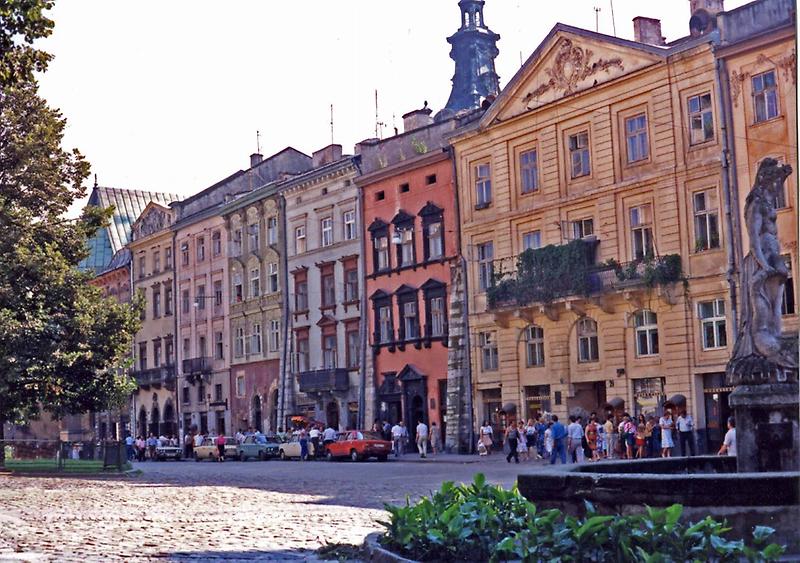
378,124
331,123
258,141
597,19
95,180
613,21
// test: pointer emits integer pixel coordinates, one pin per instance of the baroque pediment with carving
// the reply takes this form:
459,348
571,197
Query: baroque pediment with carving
565,64
154,218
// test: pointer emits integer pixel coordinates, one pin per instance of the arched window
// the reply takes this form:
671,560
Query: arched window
534,346
587,341
646,326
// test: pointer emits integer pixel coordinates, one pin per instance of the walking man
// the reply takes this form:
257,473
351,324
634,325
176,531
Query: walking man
129,447
559,435
685,425
512,439
422,438
398,437
574,444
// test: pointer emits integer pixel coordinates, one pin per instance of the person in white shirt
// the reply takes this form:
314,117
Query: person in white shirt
239,436
314,434
729,443
329,435
198,439
574,438
422,439
398,438
685,425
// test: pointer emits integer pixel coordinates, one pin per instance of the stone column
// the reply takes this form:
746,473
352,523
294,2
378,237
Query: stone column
459,390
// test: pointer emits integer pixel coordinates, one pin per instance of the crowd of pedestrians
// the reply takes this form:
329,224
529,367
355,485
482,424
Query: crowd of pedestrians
141,448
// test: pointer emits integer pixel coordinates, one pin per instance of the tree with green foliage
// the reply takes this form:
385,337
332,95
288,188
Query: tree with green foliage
61,341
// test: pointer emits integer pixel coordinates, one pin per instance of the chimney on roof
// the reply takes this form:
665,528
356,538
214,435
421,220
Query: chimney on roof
326,155
255,159
648,30
704,16
417,119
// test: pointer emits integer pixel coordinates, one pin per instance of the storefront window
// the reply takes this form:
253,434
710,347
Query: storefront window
648,396
537,400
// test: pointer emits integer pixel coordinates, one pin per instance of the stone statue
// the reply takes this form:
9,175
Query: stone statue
761,349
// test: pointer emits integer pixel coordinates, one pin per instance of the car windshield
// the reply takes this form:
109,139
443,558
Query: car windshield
230,441
371,436
260,439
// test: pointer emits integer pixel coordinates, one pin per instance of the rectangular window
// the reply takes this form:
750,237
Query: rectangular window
353,348
142,266
485,266
328,284
534,346
351,285
168,304
273,277
272,230
385,329
300,239
184,253
201,393
240,387
437,316
201,248
382,252
582,228
579,154
410,323
255,339
706,221
532,240
406,247
765,96
143,356
218,393
219,347
787,303
326,231
185,302
185,398
302,354
239,342
238,289
255,282
588,344
201,346
489,361
701,119
156,301
712,322
641,232
349,221
217,296
329,351
216,243
236,243
168,258
529,171
156,353
253,238
646,323
301,296
274,335
186,347
435,244
169,352
636,138
156,262
483,186
201,297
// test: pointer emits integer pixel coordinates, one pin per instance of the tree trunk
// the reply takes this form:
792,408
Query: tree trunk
2,444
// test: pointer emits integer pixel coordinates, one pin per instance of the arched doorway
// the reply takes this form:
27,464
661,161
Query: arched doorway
332,415
155,419
257,413
141,426
417,410
273,416
168,428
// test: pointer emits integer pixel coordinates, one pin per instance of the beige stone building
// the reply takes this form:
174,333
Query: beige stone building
610,150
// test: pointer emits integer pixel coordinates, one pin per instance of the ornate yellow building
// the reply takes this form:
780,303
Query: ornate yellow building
612,151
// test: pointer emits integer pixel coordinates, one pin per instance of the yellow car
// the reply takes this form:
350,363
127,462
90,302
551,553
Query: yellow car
291,449
209,449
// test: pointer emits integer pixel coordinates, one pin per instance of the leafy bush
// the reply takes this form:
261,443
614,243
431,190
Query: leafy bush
482,522
651,271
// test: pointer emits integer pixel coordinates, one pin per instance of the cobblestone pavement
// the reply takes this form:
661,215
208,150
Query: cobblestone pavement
218,511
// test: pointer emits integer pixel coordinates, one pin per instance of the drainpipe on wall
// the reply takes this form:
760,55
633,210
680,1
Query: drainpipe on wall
178,414
283,378
730,191
363,324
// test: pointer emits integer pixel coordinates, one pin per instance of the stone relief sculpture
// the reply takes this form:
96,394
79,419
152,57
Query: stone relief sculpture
761,349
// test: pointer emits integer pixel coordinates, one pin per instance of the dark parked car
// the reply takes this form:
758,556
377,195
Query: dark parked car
258,446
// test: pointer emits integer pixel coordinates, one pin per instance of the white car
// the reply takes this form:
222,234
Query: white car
209,449
291,449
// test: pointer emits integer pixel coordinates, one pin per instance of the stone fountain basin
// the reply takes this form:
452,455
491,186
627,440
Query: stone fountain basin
704,485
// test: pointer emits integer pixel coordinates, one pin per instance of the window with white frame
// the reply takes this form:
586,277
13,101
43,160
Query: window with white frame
765,96
216,243
185,301
636,138
184,253
382,252
326,231
582,228
239,342
534,346
532,240
238,289
272,230
255,282
301,295
168,258
300,239
273,277
646,327
255,339
489,356
328,286
353,348
254,238
434,236
240,388
483,185
706,221
329,351
485,266
410,321
302,357
588,349
349,222
200,246
406,246
713,324
217,294
701,118
641,231
200,300
385,329
529,171
274,335
351,284
579,154
437,316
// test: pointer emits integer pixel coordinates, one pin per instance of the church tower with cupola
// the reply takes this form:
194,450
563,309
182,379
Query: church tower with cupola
474,48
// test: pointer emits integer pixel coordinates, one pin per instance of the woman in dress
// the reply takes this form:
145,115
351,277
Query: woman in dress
436,439
486,436
548,441
522,443
530,439
666,423
591,437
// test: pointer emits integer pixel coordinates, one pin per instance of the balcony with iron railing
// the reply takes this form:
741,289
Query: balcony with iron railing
154,376
324,380
198,366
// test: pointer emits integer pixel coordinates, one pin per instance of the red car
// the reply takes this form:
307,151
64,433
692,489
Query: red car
358,445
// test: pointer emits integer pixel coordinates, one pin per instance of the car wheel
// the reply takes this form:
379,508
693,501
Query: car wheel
354,455
242,457
382,458
196,457
283,455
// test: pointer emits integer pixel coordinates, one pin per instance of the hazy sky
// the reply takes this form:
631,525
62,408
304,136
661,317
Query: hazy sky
168,95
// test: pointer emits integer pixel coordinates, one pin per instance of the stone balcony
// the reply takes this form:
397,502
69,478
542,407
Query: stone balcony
155,376
324,380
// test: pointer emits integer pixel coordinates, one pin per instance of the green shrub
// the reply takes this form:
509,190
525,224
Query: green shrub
482,522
